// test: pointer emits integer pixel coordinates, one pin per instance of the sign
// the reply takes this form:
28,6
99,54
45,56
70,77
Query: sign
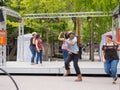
3,37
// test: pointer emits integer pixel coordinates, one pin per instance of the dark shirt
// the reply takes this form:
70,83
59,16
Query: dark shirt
110,52
31,42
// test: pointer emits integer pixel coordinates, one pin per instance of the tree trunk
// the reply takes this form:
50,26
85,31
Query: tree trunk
46,47
78,24
92,43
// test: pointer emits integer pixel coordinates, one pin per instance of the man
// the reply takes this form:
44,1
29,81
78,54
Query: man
73,50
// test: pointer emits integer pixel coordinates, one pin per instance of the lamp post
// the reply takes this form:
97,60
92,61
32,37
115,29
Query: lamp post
74,21
89,19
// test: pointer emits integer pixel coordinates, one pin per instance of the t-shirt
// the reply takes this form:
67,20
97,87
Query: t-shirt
64,45
39,43
73,47
110,52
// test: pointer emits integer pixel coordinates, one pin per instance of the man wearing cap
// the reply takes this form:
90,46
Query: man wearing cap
32,47
72,49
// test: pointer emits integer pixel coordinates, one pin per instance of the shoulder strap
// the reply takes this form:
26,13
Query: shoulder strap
105,44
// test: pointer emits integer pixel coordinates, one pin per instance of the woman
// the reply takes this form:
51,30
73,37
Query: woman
110,57
39,48
64,51
32,47
72,49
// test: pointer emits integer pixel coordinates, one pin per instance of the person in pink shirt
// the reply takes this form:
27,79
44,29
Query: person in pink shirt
39,48
64,44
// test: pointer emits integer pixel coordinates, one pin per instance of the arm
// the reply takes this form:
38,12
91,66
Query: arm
71,50
36,44
103,58
118,49
73,42
59,38
116,42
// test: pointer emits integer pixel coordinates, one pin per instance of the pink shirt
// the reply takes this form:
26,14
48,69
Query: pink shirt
64,45
39,44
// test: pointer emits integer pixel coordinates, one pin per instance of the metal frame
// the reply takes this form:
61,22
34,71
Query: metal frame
7,11
116,10
10,12
67,15
114,21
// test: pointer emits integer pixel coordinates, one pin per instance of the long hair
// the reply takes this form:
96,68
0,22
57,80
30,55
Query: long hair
38,36
66,36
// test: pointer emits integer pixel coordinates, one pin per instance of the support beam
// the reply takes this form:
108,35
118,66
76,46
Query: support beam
10,12
67,15
6,11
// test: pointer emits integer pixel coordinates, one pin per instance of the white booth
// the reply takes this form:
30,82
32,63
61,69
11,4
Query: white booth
26,53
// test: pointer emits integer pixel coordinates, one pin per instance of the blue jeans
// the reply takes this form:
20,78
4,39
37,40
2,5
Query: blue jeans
39,56
33,51
73,57
65,54
110,67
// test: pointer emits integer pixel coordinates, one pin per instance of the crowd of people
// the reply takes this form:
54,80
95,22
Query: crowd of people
71,52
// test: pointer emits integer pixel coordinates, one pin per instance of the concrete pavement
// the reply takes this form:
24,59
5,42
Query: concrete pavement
58,83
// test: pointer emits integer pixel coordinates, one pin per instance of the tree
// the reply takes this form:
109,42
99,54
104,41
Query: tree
92,31
54,6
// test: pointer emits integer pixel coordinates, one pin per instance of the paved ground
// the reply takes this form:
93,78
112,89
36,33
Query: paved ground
58,83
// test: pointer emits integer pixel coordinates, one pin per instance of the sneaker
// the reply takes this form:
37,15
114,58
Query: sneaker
114,80
33,63
67,73
79,78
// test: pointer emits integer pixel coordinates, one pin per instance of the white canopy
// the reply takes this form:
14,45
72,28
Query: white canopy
23,51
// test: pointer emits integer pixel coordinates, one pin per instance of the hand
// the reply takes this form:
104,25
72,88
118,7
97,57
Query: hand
60,33
38,50
104,60
75,52
63,39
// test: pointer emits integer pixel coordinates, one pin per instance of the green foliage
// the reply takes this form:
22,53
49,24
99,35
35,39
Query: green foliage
95,5
11,34
100,25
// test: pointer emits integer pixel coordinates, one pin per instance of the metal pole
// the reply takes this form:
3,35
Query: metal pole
4,46
92,43
22,23
78,24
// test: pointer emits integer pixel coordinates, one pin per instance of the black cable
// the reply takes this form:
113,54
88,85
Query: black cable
10,78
